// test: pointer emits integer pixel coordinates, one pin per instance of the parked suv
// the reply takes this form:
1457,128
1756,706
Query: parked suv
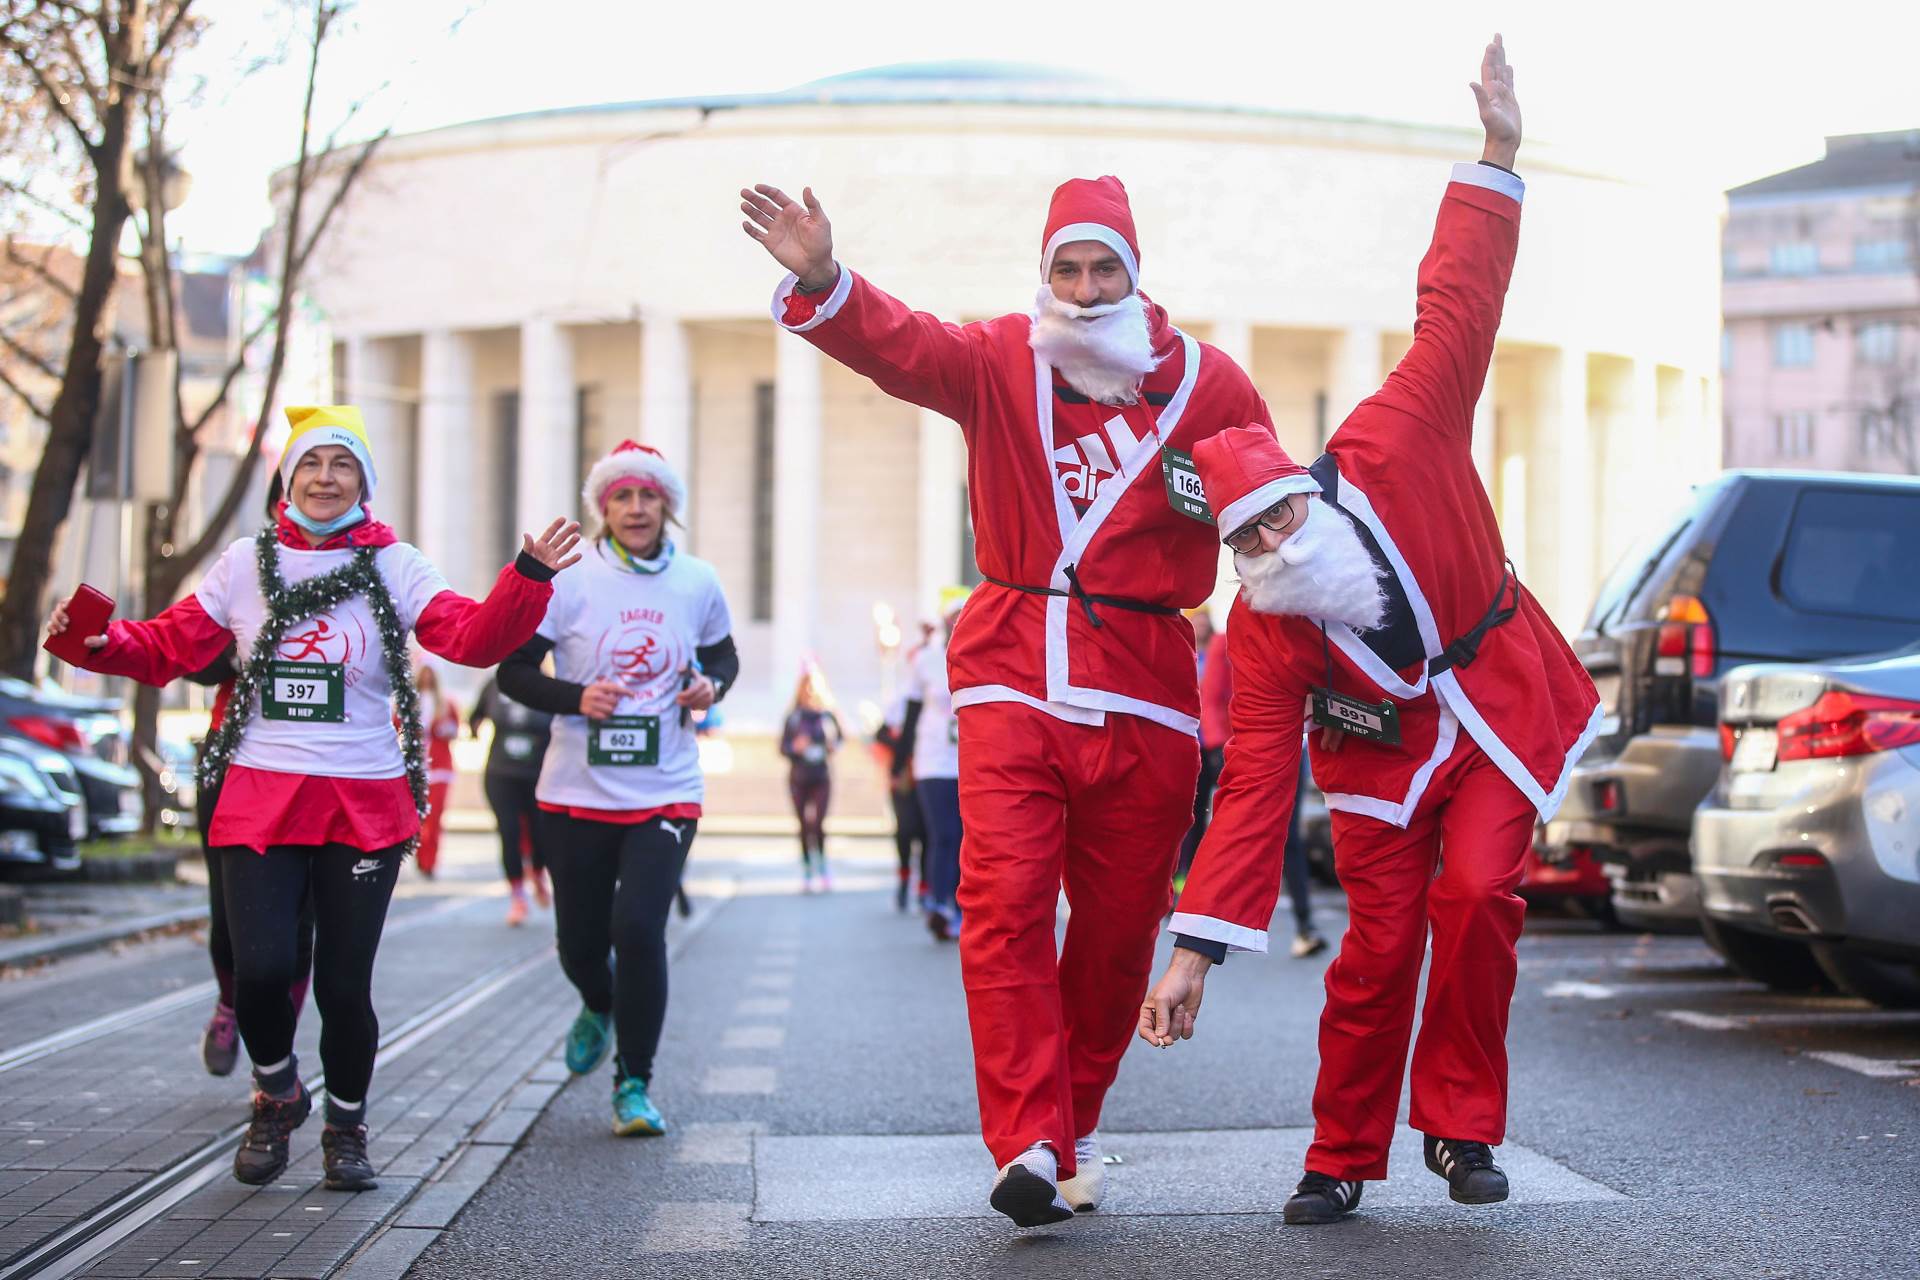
1808,850
1760,566
89,733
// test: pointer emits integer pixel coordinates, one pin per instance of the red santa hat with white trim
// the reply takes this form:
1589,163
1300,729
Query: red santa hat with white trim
1244,471
633,463
1091,209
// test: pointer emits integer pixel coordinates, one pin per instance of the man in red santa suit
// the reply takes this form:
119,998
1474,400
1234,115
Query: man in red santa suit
1072,669
1377,603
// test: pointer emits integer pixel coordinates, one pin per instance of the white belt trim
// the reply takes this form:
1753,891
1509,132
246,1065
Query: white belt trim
1401,813
1237,936
974,695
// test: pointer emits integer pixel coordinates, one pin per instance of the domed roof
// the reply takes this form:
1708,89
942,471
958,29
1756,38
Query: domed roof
957,81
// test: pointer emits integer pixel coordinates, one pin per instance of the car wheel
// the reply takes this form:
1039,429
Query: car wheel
1777,962
1890,984
1601,912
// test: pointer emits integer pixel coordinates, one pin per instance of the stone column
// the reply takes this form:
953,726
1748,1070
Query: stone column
796,497
373,377
547,454
1575,491
666,390
444,489
943,474
1645,431
1235,340
1353,370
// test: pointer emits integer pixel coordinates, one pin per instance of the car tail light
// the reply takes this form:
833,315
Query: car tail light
1849,724
61,735
1687,633
1606,796
1801,860
1726,742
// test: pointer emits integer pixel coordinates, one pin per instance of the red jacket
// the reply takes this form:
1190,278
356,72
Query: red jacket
1010,645
1406,472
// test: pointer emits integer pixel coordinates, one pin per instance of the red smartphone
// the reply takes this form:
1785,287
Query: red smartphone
87,615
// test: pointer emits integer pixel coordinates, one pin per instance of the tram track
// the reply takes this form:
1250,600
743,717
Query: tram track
71,1248
187,997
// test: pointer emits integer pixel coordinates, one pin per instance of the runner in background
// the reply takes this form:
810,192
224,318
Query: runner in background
931,736
520,736
808,739
642,641
440,718
909,826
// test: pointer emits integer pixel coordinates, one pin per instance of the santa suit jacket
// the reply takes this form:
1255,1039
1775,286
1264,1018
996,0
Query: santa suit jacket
1406,475
1045,651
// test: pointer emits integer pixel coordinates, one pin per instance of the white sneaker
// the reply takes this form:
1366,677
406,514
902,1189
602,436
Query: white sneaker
1082,1190
1026,1191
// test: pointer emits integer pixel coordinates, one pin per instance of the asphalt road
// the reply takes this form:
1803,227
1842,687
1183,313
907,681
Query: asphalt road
1666,1120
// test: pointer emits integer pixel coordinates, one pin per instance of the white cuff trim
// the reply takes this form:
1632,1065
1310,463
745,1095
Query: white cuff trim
1247,507
1485,175
832,305
1237,936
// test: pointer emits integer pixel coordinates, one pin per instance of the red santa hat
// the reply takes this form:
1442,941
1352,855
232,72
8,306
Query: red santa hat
1244,471
633,463
1091,209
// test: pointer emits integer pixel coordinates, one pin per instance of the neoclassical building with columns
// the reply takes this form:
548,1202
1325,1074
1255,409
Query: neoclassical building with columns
509,298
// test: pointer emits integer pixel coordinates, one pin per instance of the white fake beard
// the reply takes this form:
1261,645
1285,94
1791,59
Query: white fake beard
1322,571
1102,351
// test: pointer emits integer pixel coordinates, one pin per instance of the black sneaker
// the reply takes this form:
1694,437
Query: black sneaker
343,1152
1320,1198
263,1152
1472,1176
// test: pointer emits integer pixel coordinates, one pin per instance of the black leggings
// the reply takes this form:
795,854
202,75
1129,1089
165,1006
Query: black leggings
515,813
219,938
1211,760
909,832
613,884
350,889
811,792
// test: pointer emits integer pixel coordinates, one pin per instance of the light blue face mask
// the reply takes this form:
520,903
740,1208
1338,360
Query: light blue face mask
326,528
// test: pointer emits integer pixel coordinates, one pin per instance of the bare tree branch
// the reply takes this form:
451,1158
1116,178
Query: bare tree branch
41,202
28,354
77,60
55,96
41,270
38,410
172,28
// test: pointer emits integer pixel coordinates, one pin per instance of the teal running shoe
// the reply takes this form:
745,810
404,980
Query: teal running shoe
588,1041
633,1110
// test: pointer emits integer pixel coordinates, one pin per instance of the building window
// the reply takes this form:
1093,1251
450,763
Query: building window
1726,350
1793,435
763,502
1877,343
1793,346
588,401
1794,258
1881,255
1879,433
1729,261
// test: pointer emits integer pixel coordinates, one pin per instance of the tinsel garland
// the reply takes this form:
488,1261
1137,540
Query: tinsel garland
287,605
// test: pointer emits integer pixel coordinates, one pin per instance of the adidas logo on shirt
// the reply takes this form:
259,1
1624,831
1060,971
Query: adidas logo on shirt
1088,461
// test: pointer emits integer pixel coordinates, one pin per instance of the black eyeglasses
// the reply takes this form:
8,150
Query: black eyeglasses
1278,518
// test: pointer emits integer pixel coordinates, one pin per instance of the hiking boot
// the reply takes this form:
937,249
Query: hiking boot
343,1153
262,1156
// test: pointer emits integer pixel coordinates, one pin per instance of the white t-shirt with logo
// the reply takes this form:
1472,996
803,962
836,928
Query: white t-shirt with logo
638,629
364,745
936,738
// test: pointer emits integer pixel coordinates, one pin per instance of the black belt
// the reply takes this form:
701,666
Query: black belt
1463,651
1086,598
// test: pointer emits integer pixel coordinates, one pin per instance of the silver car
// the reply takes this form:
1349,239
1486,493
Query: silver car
1808,849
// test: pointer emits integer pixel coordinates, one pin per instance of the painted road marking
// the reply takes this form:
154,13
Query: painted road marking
1877,1068
696,1226
1701,1021
762,1006
717,1142
739,1080
753,1037
771,981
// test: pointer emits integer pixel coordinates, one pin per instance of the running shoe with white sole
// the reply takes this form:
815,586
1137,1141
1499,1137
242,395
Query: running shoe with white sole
1026,1189
1472,1176
1321,1198
633,1110
1308,944
588,1041
1082,1190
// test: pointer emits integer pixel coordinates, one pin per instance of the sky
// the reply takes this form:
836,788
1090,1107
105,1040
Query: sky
1715,93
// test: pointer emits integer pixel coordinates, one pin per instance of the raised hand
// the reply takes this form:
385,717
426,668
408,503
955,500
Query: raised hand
1499,109
797,234
561,537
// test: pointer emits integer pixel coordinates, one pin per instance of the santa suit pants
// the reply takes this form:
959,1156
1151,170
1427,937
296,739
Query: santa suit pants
1100,810
1454,869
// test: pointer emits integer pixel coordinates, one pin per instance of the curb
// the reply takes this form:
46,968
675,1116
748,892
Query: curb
29,950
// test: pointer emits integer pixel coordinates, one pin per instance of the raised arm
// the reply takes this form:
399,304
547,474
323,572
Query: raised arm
906,353
482,633
1463,278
